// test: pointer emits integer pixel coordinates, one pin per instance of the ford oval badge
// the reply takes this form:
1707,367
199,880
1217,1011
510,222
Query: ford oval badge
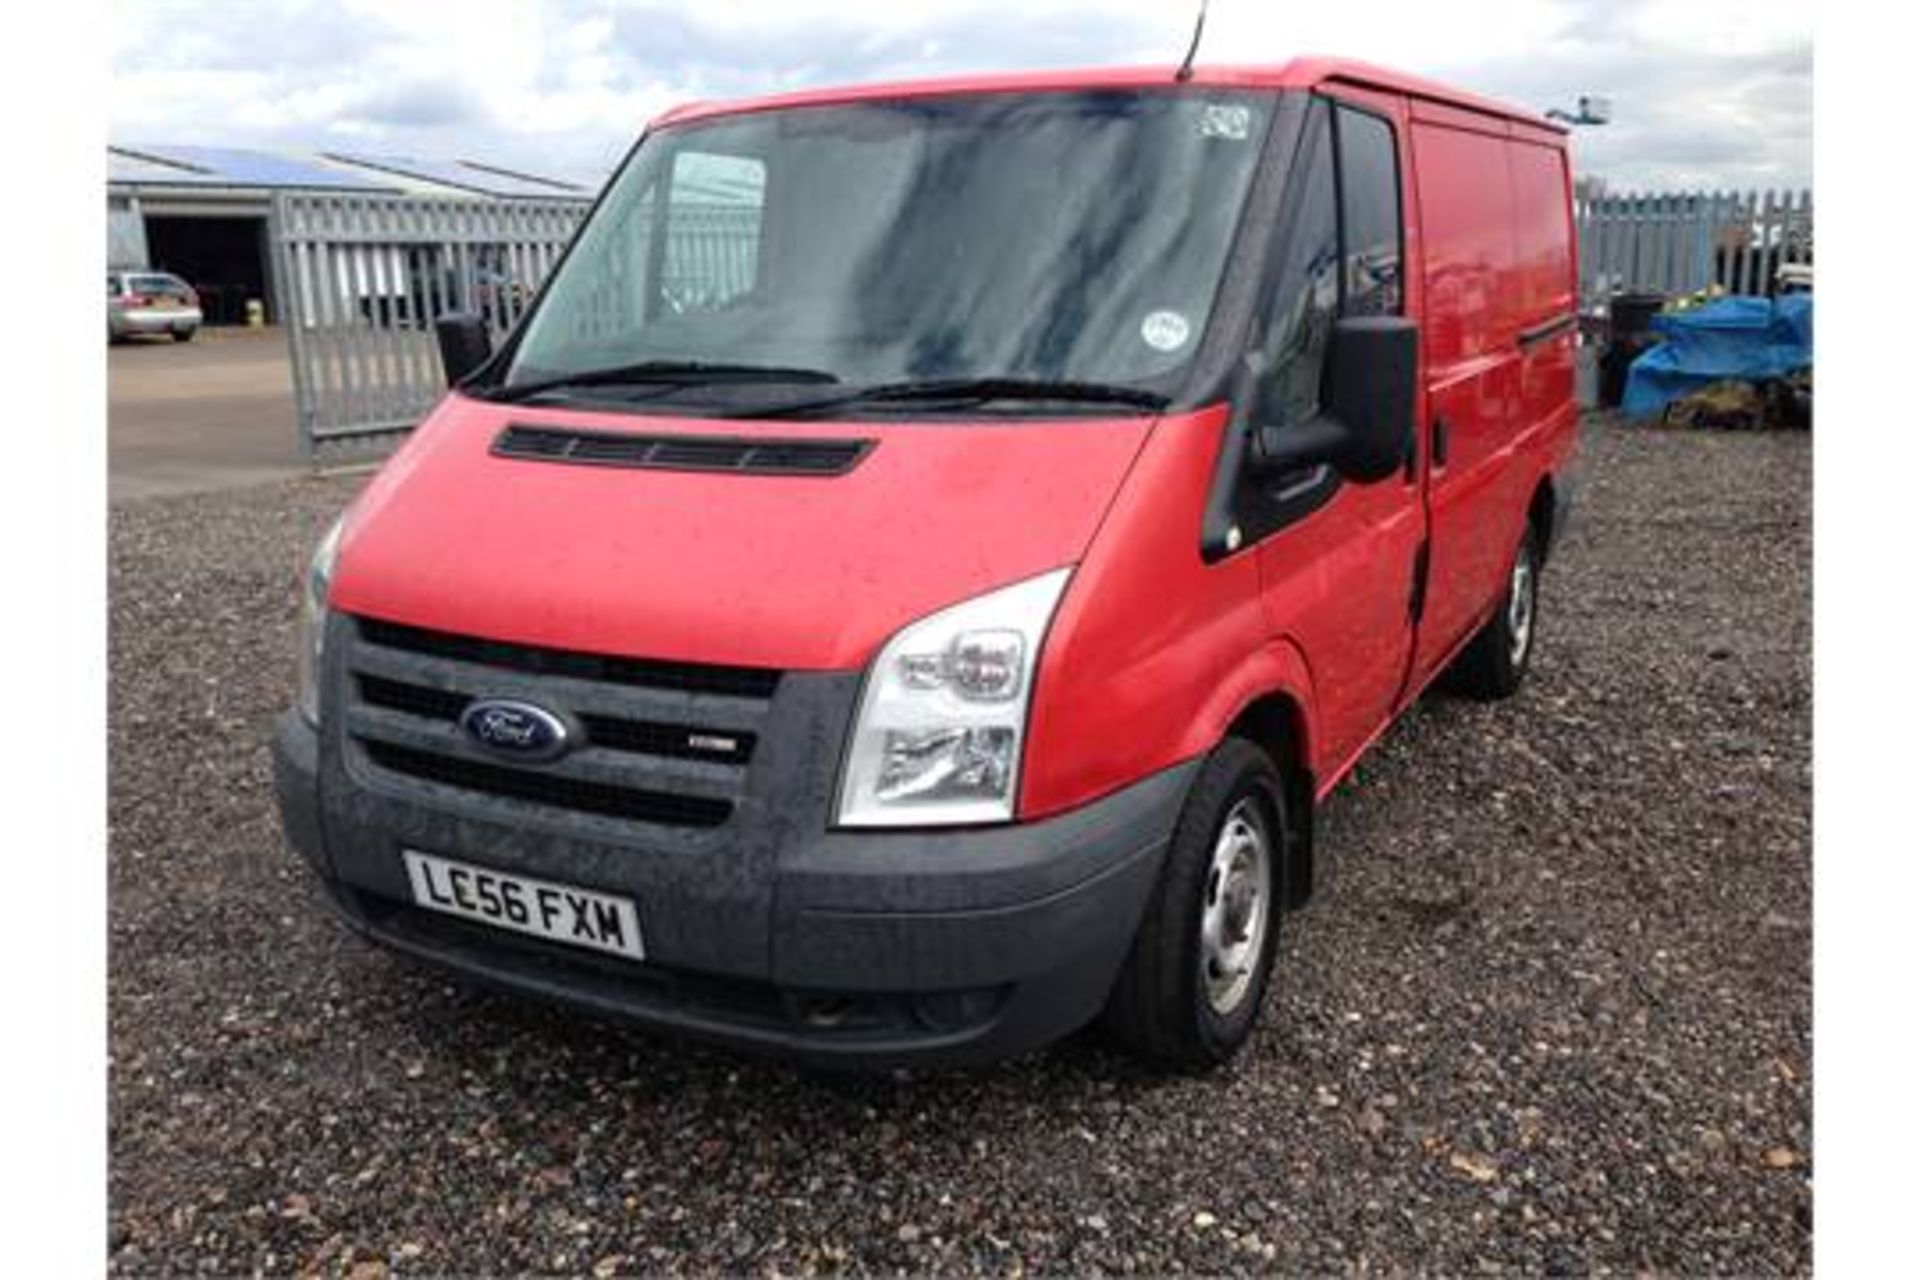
514,729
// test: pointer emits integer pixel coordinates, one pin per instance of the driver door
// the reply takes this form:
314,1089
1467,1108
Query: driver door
1338,559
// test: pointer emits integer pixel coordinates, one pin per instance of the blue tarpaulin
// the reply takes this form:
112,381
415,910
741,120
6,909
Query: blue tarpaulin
1748,339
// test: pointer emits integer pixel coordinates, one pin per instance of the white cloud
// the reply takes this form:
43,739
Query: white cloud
1706,92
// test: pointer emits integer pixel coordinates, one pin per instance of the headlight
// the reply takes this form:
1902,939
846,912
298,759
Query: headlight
944,714
313,622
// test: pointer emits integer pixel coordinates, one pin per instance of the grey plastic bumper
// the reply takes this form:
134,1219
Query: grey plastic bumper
877,948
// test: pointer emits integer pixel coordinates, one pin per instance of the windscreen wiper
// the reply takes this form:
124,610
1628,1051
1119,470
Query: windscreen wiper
682,372
966,391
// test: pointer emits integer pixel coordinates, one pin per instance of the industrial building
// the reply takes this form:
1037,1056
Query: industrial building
202,212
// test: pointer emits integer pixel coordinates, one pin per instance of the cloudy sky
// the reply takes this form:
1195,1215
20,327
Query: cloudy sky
1704,92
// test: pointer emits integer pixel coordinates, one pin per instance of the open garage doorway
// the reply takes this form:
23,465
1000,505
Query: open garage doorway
223,258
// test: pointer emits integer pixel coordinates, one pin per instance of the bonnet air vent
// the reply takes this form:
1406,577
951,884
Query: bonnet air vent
742,454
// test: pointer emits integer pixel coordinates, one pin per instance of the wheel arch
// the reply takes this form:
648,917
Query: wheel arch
1276,721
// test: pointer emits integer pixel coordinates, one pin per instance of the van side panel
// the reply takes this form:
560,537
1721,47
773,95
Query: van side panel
1473,371
1153,651
1167,650
1543,236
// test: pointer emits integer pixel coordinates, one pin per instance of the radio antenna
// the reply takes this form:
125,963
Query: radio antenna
1185,73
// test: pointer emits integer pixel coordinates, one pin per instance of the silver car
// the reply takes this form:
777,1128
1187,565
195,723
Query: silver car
150,302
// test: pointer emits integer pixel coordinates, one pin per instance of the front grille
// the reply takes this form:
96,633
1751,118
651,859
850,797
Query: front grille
654,742
653,738
550,789
735,682
392,695
642,737
742,455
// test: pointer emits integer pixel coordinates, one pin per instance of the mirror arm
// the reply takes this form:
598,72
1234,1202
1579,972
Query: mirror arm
1317,440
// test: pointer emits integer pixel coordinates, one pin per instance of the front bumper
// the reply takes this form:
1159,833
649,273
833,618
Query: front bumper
868,948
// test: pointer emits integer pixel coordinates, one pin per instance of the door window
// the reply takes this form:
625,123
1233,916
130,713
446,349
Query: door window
1307,298
1369,214
1342,253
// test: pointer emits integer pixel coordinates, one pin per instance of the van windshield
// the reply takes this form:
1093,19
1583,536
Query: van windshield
1076,238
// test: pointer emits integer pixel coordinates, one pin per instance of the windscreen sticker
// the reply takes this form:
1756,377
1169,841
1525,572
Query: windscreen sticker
1226,120
1165,330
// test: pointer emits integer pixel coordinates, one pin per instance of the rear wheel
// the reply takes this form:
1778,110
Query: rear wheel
1492,666
184,334
1193,983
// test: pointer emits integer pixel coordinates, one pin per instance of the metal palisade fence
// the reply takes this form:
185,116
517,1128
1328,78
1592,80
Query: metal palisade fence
1684,242
363,278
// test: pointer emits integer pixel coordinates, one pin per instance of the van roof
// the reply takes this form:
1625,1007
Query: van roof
1300,73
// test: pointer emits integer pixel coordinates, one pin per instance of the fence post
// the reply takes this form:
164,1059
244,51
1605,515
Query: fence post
286,304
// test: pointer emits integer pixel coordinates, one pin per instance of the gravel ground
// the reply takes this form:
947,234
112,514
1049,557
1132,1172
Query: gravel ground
1550,1011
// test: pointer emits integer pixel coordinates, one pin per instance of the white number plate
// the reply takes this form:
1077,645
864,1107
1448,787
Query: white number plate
557,912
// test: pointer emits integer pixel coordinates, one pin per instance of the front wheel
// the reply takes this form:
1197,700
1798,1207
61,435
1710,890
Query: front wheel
184,334
1192,985
1493,664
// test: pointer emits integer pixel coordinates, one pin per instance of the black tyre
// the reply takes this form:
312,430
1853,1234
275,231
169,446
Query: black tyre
184,335
1492,666
1191,988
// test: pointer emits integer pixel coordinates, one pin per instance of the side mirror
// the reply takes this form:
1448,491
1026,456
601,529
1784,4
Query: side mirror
1365,426
465,344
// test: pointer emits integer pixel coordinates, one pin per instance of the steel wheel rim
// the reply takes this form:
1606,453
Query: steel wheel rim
1520,605
1234,907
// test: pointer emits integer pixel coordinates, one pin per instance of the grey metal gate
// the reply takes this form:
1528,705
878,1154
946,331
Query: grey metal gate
361,279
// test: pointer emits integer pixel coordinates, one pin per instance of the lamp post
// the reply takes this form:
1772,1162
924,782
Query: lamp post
1589,110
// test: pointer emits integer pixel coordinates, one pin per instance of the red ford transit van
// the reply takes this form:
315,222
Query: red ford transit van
903,589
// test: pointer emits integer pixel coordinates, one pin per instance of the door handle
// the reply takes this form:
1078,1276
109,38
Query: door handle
1441,430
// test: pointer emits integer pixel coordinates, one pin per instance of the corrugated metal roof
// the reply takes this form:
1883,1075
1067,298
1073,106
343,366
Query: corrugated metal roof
240,168
232,167
122,167
536,183
461,174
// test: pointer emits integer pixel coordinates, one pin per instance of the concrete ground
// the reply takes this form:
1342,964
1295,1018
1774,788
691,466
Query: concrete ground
214,413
